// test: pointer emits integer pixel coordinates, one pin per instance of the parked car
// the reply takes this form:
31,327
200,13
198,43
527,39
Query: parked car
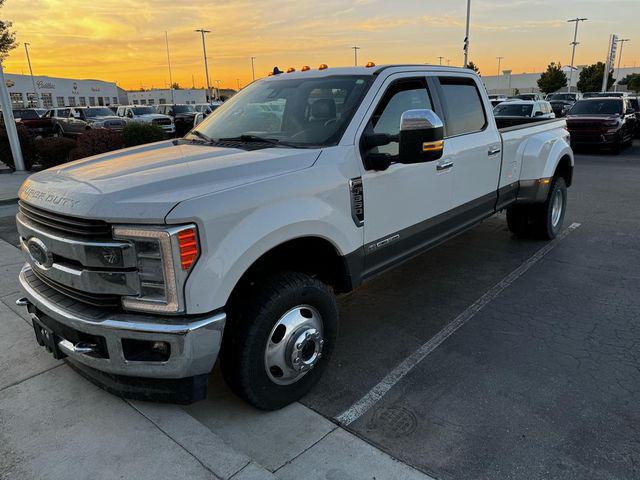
206,108
29,118
143,265
605,121
529,96
604,95
566,96
635,104
512,110
182,115
81,119
142,114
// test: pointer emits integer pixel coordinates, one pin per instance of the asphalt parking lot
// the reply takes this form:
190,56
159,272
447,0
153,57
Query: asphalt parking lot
542,382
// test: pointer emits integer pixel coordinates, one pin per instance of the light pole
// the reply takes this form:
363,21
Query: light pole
440,58
253,70
498,75
466,37
166,38
621,42
355,54
206,66
33,82
574,44
217,90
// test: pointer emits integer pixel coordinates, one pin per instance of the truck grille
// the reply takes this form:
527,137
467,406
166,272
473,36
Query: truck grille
64,223
42,283
162,121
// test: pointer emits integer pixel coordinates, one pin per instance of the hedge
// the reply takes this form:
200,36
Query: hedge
136,133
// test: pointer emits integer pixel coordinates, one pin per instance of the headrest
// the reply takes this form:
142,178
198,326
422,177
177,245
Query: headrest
323,109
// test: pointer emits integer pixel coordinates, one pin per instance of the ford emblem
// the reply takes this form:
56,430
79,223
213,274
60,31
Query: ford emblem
39,253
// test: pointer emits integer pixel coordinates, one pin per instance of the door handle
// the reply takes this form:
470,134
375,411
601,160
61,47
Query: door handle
444,166
494,151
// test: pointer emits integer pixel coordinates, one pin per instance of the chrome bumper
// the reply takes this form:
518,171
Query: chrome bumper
194,341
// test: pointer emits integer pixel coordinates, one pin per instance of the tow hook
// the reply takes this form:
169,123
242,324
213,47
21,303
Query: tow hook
23,302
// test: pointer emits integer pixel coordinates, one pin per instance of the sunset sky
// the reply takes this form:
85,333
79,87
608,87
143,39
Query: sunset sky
123,41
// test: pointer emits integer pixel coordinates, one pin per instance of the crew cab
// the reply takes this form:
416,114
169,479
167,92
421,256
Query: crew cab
81,119
142,114
145,265
602,121
29,118
182,115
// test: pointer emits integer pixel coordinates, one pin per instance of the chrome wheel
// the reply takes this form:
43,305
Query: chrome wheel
294,345
557,206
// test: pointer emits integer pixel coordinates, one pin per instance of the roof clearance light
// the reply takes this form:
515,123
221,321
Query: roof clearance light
323,66
270,74
370,64
291,69
305,68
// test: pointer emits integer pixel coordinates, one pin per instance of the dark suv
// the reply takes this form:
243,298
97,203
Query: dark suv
602,121
635,104
182,115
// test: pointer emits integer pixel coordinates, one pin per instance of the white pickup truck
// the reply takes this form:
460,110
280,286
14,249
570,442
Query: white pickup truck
143,265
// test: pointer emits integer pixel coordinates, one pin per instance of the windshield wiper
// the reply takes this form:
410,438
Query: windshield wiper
201,135
250,138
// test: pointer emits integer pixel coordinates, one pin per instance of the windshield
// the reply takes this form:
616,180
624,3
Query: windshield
526,96
98,112
143,110
562,96
301,112
597,107
182,108
26,114
511,110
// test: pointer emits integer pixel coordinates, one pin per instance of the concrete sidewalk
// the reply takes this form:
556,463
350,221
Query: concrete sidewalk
54,424
10,184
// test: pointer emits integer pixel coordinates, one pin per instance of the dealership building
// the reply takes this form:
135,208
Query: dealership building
158,96
59,92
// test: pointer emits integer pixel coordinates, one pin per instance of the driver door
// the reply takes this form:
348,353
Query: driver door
404,205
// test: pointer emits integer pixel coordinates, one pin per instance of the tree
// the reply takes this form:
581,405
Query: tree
7,37
474,67
176,86
634,83
553,79
591,78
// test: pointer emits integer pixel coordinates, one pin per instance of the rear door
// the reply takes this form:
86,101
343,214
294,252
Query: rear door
475,145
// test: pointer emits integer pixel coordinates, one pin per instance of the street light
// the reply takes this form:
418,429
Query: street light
440,58
253,70
166,38
498,76
621,42
33,82
217,89
466,37
355,54
574,44
206,66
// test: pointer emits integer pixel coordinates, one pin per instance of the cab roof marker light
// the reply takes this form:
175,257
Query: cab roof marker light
370,64
305,68
323,66
290,70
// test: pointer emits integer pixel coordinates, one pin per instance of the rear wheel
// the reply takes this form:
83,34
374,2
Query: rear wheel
279,339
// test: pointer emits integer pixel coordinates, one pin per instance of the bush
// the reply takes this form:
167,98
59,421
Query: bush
52,151
27,144
136,133
94,142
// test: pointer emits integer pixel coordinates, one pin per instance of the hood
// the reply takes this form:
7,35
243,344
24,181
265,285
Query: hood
152,116
592,118
142,184
105,118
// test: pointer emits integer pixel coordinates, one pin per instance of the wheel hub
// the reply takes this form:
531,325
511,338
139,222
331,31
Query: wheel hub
294,346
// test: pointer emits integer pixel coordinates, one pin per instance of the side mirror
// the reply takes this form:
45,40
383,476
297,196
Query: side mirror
421,136
198,118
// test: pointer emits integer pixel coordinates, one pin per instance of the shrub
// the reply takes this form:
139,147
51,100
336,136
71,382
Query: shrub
27,145
94,142
52,151
136,133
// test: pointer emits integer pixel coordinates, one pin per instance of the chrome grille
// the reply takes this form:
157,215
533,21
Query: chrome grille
162,121
65,223
42,283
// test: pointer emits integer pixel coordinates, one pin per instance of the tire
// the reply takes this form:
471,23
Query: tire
546,220
518,220
616,148
258,328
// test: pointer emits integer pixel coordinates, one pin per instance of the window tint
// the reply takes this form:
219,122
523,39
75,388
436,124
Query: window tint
463,106
400,97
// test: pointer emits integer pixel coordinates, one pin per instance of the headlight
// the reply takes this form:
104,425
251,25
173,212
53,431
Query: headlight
164,258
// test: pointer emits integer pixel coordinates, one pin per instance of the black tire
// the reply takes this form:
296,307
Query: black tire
542,225
250,324
616,148
518,220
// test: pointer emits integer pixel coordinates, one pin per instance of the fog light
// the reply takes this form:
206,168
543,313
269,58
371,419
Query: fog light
145,350
160,347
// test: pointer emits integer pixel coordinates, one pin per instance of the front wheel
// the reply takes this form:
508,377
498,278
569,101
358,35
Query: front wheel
278,339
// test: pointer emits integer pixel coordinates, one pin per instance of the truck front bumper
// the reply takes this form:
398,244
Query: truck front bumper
193,341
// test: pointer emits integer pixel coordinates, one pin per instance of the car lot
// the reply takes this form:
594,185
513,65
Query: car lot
542,382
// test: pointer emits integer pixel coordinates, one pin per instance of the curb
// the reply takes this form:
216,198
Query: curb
205,446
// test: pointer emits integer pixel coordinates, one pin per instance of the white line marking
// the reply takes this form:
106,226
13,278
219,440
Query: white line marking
377,392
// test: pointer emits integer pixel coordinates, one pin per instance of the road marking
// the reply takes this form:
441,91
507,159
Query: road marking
374,395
